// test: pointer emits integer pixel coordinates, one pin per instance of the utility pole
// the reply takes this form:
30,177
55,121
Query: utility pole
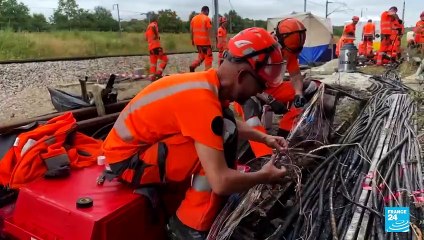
403,12
304,6
216,23
326,8
119,18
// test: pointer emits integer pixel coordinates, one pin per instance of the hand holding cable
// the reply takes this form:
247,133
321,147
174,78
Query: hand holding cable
276,142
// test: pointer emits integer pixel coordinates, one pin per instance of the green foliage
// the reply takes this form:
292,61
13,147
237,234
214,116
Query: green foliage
169,22
338,30
14,15
39,23
171,45
24,45
70,17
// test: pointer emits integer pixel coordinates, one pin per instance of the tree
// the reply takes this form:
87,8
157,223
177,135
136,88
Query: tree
169,21
65,16
84,20
104,20
39,23
150,15
14,15
134,25
69,8
235,22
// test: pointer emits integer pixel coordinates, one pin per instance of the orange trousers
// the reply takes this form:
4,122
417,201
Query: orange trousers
368,43
199,206
386,43
204,54
155,55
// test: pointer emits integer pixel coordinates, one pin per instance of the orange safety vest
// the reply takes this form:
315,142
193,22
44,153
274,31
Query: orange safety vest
200,25
386,23
160,112
396,26
49,149
349,30
419,31
349,33
151,37
369,29
222,39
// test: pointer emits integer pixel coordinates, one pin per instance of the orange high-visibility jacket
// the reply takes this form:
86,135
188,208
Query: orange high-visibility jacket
386,23
419,31
160,111
46,151
369,29
151,37
222,39
200,25
349,30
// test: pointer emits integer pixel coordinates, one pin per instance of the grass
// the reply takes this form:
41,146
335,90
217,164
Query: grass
22,45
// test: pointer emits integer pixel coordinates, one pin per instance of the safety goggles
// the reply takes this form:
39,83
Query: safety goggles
269,74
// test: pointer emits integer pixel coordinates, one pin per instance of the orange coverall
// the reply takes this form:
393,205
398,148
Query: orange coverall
152,142
200,26
155,49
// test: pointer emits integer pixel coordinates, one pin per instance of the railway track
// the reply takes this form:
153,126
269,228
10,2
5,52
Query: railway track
81,58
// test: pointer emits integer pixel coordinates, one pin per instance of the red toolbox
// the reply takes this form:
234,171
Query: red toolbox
47,210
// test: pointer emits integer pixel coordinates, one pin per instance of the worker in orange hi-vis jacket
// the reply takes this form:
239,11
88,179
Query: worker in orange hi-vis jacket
397,32
386,24
155,50
348,35
291,35
419,33
201,33
221,41
368,36
157,141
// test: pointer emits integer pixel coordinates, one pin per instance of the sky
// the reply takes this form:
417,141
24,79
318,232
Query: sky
253,9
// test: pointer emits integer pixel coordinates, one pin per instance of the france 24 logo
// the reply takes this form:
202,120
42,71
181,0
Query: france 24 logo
396,219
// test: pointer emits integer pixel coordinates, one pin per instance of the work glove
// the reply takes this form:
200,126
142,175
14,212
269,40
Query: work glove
278,107
299,101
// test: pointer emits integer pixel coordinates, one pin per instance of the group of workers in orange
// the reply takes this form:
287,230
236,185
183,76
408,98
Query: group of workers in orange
391,31
158,144
419,34
161,147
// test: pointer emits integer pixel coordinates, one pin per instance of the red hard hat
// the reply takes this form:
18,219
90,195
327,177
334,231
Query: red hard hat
222,19
261,50
355,18
291,34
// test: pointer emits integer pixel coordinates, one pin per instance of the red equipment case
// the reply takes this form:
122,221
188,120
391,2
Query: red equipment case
46,209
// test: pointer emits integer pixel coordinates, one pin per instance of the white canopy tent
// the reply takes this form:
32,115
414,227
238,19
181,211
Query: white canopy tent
319,32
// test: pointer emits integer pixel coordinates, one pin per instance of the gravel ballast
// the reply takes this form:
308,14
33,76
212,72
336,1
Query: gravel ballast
23,86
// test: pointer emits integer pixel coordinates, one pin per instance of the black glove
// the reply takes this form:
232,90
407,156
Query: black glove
277,107
299,101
